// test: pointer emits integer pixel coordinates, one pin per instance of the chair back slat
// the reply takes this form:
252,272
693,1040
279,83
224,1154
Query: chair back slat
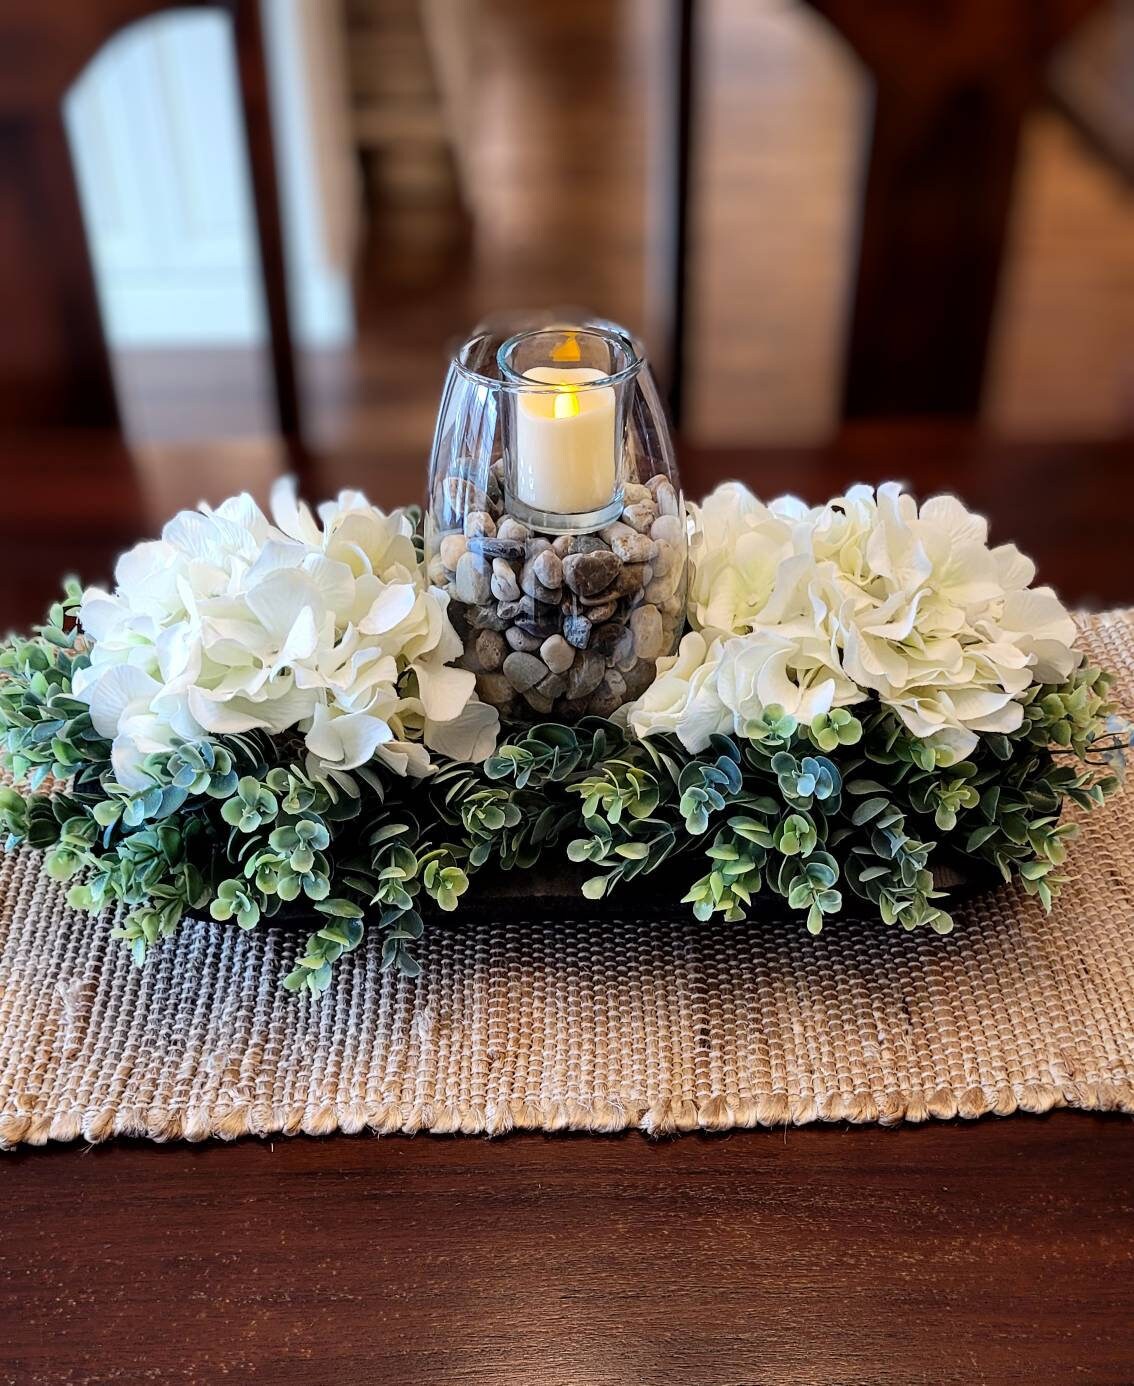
954,80
54,366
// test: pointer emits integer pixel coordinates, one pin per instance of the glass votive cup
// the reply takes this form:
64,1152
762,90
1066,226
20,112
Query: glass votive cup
565,456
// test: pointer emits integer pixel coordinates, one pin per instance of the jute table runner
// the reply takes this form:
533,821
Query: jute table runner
577,1018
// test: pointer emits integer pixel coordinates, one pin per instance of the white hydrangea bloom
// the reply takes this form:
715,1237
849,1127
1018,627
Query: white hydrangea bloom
810,609
231,622
683,698
738,545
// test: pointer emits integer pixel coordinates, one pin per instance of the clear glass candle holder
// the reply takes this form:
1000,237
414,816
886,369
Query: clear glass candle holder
555,519
564,453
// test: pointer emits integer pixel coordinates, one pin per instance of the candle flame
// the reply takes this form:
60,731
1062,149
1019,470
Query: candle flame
566,404
568,350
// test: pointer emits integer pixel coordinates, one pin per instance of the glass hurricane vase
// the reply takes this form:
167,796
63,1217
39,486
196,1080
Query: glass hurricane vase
556,520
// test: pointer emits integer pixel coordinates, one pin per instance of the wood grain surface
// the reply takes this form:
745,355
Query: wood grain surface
994,1252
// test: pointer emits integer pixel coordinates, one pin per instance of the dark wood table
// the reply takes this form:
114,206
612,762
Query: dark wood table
993,1251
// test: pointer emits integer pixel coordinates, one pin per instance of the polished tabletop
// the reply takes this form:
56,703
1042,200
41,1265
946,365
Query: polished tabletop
998,1250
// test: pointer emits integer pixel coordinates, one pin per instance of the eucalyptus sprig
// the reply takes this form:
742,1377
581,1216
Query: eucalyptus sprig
847,812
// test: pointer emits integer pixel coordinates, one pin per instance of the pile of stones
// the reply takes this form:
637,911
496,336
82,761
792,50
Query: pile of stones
563,625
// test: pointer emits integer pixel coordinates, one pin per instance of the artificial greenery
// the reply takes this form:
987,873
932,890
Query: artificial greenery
846,811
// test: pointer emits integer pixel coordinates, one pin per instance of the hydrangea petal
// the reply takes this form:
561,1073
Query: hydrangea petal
392,605
470,736
347,740
112,692
443,690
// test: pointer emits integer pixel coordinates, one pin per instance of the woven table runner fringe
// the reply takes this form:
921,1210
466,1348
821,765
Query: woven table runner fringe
582,1021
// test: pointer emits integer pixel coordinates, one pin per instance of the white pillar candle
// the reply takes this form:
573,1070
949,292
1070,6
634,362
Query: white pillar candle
564,441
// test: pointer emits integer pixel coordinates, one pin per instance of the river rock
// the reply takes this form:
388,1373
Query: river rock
513,530
585,543
490,650
451,548
631,579
639,677
590,573
605,638
666,556
646,626
495,689
577,631
505,588
509,549
557,654
660,589
539,702
541,623
479,522
521,640
585,674
531,584
548,567
640,516
599,609
486,617
633,492
471,583
668,529
562,545
628,544
609,696
524,671
626,659
552,687
665,497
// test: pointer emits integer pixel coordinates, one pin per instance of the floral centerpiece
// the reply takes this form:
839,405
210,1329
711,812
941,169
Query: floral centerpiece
275,715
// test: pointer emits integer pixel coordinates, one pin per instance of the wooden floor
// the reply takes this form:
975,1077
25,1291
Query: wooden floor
561,164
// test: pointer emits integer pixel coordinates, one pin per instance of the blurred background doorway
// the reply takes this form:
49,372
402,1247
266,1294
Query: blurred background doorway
438,160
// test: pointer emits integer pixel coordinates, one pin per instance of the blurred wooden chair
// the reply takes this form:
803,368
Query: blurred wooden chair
54,365
953,81
1092,83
